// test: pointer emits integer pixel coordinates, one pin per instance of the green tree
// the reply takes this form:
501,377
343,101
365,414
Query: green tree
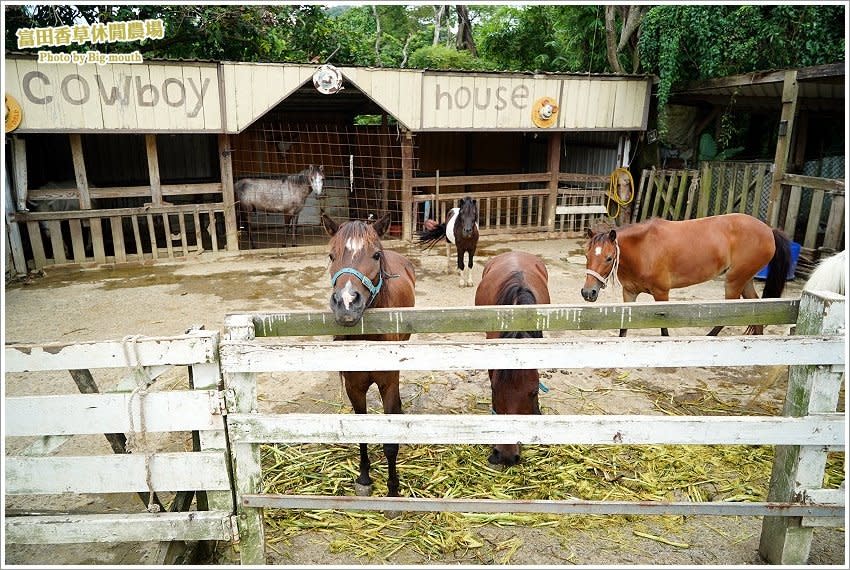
684,43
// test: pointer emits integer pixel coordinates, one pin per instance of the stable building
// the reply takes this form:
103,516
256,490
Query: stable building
135,162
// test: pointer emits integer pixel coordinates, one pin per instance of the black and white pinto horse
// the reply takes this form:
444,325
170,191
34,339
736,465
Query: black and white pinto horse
460,229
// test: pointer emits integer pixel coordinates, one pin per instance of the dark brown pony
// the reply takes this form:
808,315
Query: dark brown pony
461,229
513,278
658,255
364,275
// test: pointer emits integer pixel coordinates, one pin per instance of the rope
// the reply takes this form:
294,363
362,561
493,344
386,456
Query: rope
613,195
143,381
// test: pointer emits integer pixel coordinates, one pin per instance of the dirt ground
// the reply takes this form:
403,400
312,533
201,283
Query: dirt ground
166,299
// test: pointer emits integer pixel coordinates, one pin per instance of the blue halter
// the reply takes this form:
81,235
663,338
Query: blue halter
373,289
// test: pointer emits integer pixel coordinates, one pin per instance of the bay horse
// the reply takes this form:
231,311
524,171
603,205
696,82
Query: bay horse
286,195
460,229
364,275
513,278
659,255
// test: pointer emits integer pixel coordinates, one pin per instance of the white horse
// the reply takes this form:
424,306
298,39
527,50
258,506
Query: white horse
829,275
286,195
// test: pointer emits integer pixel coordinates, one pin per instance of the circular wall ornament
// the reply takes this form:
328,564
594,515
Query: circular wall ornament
544,112
327,79
12,114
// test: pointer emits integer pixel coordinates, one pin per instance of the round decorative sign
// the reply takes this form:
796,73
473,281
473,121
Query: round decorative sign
327,79
13,114
544,112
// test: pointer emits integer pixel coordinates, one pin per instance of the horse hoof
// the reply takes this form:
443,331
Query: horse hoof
362,490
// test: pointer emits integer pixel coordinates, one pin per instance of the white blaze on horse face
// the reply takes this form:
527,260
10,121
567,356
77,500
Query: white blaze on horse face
598,251
347,295
354,245
317,182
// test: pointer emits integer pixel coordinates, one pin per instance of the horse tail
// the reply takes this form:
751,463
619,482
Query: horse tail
516,292
777,269
429,238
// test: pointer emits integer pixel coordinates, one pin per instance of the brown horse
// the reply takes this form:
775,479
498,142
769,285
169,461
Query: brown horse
513,278
461,229
658,255
364,275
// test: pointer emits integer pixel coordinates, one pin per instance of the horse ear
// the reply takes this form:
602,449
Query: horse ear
330,226
382,225
588,233
612,235
322,168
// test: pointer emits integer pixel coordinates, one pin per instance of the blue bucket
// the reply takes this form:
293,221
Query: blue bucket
795,254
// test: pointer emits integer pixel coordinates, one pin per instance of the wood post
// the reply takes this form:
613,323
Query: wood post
797,469
13,231
554,170
227,194
153,169
80,171
241,396
406,186
786,129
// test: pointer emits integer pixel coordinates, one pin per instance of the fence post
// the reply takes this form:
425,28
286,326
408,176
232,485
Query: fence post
704,189
811,389
241,395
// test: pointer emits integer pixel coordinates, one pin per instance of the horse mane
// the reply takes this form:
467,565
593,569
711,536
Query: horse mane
829,274
516,292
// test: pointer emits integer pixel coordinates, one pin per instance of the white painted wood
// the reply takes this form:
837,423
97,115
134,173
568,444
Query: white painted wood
116,473
70,414
44,445
825,496
561,210
144,351
137,527
529,505
535,429
264,355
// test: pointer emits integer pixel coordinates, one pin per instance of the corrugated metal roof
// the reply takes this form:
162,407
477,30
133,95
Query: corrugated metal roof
820,87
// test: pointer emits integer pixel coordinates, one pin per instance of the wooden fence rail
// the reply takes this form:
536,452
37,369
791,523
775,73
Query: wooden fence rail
137,407
808,430
123,234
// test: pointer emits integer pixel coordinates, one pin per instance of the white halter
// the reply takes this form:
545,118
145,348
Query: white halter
612,275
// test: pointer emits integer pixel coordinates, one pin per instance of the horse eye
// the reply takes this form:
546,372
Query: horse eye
376,256
609,259
331,256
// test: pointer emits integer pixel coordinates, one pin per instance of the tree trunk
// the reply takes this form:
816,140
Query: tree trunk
377,36
439,14
464,39
611,39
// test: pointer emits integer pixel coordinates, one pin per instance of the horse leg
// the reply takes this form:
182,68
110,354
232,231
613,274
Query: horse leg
662,296
356,385
460,268
391,399
469,282
749,292
628,297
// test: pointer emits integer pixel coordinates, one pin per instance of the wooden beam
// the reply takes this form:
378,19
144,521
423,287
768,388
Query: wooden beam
19,153
827,184
153,169
786,130
227,193
80,171
554,171
407,185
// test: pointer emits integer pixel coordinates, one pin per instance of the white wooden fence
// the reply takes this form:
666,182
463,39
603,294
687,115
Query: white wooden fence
808,430
137,407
